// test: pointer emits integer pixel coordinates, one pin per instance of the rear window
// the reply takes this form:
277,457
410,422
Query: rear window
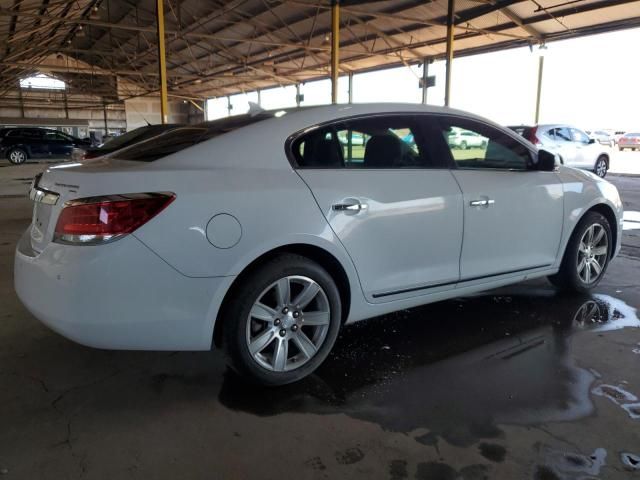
136,135
182,138
635,135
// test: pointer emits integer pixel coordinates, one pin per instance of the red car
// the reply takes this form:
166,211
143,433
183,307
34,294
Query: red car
629,140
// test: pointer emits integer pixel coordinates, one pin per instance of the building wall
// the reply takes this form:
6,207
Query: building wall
19,104
141,111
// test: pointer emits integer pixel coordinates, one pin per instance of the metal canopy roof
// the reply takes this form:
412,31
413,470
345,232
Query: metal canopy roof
218,48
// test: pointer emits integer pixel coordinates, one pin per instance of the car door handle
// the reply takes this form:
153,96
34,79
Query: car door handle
352,207
482,203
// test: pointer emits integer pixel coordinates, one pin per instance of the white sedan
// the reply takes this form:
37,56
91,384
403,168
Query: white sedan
265,233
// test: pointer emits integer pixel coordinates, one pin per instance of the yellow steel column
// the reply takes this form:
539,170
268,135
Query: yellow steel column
539,94
447,84
162,62
335,49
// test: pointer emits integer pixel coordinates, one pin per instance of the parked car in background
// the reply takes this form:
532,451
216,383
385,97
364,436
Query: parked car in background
617,134
629,140
22,143
572,145
603,137
126,139
264,233
465,139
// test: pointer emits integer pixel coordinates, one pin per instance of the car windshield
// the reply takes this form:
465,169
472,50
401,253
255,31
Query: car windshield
185,137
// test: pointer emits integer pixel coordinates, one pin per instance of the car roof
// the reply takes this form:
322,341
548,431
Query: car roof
299,118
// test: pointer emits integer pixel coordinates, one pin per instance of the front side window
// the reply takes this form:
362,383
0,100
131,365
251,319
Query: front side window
579,136
369,143
57,136
479,146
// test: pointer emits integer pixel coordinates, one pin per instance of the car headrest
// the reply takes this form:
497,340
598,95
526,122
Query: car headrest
382,151
322,153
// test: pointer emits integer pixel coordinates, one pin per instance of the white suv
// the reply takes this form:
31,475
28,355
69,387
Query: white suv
465,139
572,145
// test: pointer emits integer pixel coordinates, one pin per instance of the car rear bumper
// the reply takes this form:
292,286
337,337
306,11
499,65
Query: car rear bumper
117,296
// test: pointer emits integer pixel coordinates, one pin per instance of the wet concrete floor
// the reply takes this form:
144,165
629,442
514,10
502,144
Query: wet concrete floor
516,383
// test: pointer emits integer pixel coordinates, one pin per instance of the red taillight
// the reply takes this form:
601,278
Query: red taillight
103,219
533,137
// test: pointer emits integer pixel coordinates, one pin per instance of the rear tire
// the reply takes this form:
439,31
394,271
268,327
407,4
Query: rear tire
601,166
265,334
17,156
587,255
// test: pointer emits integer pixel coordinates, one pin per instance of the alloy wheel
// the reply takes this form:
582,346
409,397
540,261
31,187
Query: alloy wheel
17,156
593,251
601,168
288,323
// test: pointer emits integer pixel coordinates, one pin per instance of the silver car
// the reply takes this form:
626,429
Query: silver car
573,146
265,233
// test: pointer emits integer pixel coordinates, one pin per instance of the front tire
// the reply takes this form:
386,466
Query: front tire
601,166
17,156
282,320
587,255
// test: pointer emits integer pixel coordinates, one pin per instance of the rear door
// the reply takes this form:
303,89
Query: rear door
32,138
397,211
513,215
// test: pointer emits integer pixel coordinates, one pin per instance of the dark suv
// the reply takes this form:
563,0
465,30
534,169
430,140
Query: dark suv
19,144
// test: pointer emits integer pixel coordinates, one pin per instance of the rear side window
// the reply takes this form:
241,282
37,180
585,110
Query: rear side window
380,142
176,140
27,133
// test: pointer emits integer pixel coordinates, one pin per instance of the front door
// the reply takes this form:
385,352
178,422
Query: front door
513,215
397,214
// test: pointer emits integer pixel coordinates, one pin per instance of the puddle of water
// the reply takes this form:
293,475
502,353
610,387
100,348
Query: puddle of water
456,368
613,314
633,409
569,465
630,460
613,393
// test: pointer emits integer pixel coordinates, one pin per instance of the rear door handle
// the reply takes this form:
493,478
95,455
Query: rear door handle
482,203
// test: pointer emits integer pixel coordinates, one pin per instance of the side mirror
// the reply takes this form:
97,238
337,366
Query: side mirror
592,140
546,161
